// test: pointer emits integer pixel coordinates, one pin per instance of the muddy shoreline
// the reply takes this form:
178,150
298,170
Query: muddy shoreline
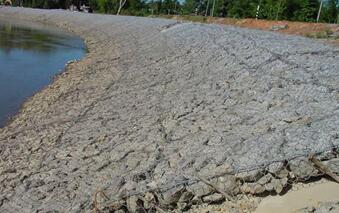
156,103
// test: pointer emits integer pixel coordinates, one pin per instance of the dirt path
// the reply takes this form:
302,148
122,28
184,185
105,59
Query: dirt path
327,32
156,104
320,196
309,196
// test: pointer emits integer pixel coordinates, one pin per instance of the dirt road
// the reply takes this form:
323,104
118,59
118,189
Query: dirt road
156,103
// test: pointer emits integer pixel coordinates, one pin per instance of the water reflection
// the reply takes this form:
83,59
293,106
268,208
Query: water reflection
25,39
22,37
30,55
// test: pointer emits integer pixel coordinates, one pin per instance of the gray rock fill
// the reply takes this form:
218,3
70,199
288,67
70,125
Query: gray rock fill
154,102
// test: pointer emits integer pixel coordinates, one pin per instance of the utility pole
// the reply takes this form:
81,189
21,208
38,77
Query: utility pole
175,7
208,2
213,7
258,9
319,12
278,10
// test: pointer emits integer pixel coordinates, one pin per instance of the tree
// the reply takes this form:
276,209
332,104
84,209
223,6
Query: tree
94,4
301,10
332,11
242,8
294,10
272,9
169,7
121,4
219,6
189,6
222,9
136,7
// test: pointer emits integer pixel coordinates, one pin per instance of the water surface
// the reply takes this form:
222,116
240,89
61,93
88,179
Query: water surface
30,56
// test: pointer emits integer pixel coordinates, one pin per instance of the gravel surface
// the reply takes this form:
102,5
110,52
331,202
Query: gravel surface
156,101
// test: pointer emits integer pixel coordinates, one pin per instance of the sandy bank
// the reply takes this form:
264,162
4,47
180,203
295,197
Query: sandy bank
301,196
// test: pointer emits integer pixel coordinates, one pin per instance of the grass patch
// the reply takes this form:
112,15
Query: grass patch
321,35
195,18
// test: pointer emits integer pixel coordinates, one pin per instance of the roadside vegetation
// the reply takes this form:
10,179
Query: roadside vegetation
292,10
326,34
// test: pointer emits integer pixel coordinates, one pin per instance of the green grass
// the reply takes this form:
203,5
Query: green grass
321,35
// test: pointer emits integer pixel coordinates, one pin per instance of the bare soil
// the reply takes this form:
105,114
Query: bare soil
313,30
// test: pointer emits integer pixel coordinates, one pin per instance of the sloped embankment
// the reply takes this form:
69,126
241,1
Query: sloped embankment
156,104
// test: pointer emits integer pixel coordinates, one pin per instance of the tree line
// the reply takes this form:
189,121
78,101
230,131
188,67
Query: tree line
294,10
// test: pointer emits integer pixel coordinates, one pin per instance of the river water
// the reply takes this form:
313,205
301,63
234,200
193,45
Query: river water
30,56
